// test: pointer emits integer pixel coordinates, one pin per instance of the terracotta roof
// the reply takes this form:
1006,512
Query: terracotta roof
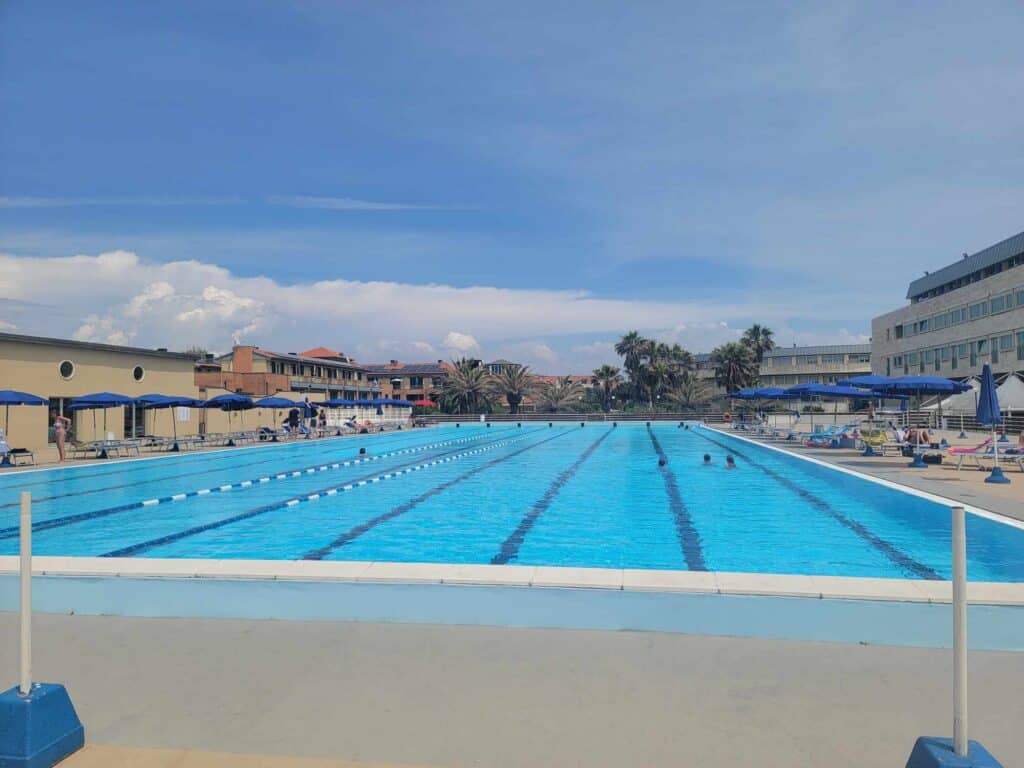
585,380
322,352
408,368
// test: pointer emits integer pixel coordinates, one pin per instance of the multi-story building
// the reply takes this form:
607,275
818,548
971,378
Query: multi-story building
260,372
788,366
968,313
408,381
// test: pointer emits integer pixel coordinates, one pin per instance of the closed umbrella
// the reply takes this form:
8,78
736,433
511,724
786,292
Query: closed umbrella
988,413
9,397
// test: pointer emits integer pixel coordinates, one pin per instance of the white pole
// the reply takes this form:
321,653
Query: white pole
25,685
959,633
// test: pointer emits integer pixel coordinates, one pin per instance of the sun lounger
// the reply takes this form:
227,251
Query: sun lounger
14,457
973,454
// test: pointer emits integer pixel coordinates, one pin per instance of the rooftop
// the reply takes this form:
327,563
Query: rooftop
414,369
827,349
74,344
325,352
987,257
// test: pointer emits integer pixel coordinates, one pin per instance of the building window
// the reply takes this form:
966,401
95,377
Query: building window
138,373
1006,342
1020,345
912,358
66,369
415,381
961,350
899,331
995,350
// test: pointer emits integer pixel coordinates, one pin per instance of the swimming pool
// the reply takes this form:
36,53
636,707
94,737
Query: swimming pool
591,496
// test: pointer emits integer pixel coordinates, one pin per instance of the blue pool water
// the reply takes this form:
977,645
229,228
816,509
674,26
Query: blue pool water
531,495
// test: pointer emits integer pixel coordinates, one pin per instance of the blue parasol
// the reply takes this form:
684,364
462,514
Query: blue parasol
988,413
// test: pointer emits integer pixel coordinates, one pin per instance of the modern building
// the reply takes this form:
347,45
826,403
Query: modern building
408,381
62,369
788,366
318,372
968,313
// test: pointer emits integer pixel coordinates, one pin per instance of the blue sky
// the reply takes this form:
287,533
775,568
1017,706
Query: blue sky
503,179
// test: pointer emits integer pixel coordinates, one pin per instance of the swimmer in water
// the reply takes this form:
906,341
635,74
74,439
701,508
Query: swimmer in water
707,459
730,462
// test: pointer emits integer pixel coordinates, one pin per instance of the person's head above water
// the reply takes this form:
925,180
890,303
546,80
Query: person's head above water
707,458
730,462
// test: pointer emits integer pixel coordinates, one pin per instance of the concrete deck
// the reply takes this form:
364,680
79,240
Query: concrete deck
107,756
509,698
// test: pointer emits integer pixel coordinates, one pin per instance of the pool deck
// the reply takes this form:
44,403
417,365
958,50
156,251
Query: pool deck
508,698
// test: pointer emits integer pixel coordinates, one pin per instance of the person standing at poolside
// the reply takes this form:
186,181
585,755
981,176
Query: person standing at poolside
61,426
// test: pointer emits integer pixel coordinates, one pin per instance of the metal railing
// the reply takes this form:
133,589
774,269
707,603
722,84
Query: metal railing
449,418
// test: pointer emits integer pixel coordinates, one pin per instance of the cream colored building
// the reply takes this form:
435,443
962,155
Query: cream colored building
968,313
60,370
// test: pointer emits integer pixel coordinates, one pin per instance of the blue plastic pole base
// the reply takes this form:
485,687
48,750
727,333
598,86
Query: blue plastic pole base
40,729
6,461
962,436
1003,438
918,462
869,451
932,752
997,476
943,443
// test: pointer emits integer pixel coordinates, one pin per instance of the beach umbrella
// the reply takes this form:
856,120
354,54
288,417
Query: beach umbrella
9,397
868,381
230,402
919,386
275,403
100,401
424,403
988,413
155,400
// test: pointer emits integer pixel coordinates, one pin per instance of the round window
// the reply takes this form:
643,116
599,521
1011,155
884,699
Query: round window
67,369
138,373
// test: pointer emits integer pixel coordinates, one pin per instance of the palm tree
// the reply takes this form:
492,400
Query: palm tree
629,347
606,378
690,390
563,395
735,366
467,389
513,383
759,339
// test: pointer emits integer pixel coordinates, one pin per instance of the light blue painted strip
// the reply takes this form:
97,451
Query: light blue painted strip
791,618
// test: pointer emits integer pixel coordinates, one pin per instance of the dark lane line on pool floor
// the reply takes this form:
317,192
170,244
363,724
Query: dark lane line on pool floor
122,468
227,468
80,517
689,538
898,557
354,533
401,469
510,547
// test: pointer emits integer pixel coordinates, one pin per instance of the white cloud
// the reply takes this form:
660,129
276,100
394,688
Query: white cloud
347,204
117,297
461,343
6,326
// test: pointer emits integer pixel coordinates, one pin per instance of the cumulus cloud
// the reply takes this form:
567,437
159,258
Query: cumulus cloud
118,297
6,326
461,343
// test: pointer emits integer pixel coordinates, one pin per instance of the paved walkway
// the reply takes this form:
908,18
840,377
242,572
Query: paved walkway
510,698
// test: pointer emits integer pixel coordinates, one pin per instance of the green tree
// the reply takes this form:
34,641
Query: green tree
760,340
606,379
563,395
690,391
514,383
468,388
735,366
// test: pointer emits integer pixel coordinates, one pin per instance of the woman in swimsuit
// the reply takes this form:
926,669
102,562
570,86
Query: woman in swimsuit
60,432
